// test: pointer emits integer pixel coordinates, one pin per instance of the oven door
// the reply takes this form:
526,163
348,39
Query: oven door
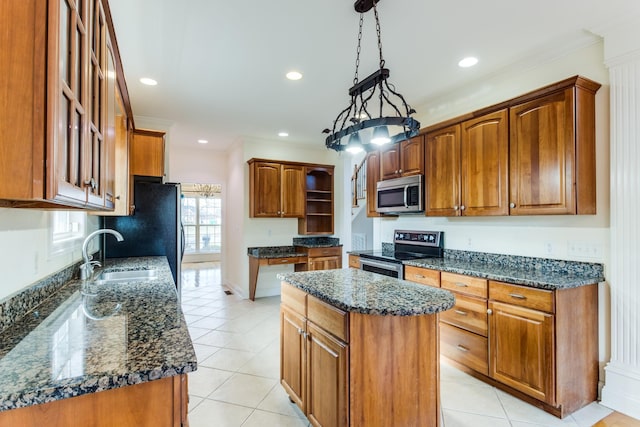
390,269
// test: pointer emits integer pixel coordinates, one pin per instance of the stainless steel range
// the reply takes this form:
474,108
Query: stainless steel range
406,245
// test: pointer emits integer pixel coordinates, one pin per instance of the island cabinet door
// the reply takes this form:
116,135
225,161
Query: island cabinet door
292,355
327,379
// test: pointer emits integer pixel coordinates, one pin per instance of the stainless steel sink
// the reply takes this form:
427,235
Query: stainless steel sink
127,276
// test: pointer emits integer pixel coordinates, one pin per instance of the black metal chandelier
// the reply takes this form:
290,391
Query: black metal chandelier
356,128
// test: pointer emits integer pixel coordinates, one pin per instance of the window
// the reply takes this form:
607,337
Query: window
67,229
202,221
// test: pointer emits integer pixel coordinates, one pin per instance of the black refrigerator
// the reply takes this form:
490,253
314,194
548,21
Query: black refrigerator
154,229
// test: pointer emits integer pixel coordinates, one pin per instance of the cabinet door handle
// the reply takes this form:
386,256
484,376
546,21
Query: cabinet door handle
455,208
91,183
462,348
489,311
462,208
517,296
512,205
400,171
460,312
461,285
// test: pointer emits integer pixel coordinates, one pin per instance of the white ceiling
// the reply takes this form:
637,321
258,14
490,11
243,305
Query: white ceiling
221,64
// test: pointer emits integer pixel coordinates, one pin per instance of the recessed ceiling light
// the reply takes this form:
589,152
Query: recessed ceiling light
148,81
203,141
469,61
294,75
283,134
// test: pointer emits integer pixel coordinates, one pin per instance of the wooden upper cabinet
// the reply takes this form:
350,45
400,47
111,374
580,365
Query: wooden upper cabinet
390,162
402,159
292,193
442,178
373,176
276,190
146,154
54,147
412,156
264,198
485,165
531,155
552,152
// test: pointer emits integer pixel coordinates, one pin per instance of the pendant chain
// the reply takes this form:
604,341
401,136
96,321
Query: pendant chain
355,78
378,32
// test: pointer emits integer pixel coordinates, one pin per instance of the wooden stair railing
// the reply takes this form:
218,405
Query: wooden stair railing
359,183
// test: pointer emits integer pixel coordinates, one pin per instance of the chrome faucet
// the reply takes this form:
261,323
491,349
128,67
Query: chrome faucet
86,269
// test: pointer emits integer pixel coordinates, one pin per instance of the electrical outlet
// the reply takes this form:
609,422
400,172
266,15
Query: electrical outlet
469,243
548,248
591,250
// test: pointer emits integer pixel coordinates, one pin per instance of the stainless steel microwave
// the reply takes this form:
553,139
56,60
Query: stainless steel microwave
401,195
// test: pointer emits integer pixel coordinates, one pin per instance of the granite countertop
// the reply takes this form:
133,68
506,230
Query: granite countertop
551,275
275,252
316,242
368,293
110,336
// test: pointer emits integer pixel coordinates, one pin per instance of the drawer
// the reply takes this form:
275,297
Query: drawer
421,275
464,284
328,317
469,313
287,260
294,298
524,296
318,252
464,347
354,261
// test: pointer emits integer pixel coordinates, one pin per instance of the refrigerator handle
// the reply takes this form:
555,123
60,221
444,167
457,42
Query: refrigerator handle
183,244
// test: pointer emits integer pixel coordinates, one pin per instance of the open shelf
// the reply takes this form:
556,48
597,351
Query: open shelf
318,217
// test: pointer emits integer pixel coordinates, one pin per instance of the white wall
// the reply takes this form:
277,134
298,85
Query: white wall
267,231
197,165
26,254
538,236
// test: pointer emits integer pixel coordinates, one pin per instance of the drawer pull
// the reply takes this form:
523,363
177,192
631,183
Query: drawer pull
462,348
517,296
284,260
419,276
461,285
460,312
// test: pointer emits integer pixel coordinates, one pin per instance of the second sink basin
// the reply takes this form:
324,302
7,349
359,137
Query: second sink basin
126,276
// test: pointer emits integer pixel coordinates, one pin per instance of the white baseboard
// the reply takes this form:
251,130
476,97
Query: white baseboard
621,391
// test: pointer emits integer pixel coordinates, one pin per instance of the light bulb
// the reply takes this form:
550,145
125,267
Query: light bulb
380,136
355,145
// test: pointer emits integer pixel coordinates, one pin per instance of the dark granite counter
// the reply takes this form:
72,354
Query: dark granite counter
368,293
274,252
109,336
316,242
536,278
535,272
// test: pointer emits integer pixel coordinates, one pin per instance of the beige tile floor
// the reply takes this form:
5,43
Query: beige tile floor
236,384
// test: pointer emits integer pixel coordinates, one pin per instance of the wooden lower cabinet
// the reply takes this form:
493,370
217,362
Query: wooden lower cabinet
329,258
351,369
539,345
522,346
158,403
354,261
292,363
327,378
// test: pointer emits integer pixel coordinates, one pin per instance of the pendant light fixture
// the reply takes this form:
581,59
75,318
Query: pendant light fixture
357,128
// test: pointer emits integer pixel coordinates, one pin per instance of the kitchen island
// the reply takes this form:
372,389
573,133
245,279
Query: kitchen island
100,354
359,348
